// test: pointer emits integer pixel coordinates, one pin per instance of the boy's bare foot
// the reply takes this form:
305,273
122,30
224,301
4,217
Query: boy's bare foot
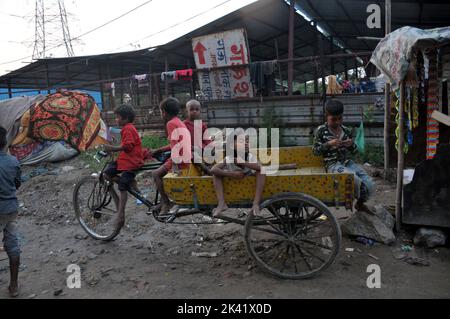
219,209
255,210
165,208
13,291
120,222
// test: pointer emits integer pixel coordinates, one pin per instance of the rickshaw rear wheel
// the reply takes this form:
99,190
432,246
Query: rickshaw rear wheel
295,236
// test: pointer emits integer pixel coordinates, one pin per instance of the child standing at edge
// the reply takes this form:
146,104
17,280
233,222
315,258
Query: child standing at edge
177,133
335,143
193,112
9,182
130,158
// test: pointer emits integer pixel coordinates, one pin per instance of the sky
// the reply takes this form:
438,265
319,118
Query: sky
139,29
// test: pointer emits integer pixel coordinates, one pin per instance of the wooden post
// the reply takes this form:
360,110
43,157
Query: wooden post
331,52
157,88
356,70
346,69
322,69
291,47
191,84
121,84
102,91
277,54
166,83
387,101
47,78
316,75
9,89
401,158
306,88
150,85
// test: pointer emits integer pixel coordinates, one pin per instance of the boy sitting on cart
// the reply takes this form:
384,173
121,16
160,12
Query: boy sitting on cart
335,143
178,135
238,166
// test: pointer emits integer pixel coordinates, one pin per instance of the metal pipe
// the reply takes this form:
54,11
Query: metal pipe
291,47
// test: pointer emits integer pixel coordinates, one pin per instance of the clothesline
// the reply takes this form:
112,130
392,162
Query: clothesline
131,77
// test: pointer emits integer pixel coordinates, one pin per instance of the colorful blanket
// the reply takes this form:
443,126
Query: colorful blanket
69,116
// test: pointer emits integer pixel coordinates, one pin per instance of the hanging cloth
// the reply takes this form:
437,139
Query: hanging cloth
143,80
184,75
432,105
397,120
169,75
111,87
359,139
415,108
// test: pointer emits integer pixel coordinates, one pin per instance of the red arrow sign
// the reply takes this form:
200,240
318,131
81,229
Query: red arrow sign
200,50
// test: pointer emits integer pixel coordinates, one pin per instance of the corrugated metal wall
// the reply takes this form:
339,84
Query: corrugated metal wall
296,116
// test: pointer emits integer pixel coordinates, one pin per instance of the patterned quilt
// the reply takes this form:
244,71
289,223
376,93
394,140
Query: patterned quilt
69,116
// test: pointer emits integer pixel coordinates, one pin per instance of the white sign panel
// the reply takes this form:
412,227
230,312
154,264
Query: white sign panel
220,50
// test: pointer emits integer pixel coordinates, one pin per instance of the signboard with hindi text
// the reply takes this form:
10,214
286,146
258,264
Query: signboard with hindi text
225,49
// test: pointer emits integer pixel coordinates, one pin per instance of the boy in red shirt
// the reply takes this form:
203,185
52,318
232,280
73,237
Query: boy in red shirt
180,147
193,112
130,158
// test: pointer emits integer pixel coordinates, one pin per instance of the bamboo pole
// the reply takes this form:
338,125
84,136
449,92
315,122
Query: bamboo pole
401,158
387,102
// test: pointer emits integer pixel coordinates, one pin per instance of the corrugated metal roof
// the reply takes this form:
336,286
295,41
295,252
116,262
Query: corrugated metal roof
265,21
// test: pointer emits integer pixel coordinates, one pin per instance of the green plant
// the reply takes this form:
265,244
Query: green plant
270,120
87,158
152,142
373,154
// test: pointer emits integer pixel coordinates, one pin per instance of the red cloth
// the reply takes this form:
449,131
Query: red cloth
185,75
190,126
131,158
171,126
22,151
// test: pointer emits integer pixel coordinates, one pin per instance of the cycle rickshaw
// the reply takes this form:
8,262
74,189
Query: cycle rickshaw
296,235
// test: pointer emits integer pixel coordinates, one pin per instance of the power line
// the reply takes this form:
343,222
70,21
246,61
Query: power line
111,21
174,25
86,33
13,15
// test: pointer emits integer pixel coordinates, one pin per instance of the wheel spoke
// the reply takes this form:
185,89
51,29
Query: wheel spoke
275,228
276,257
313,243
283,264
293,256
303,256
311,254
270,247
279,217
286,206
270,231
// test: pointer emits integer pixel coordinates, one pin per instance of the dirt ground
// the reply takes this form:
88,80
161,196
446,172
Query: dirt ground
153,260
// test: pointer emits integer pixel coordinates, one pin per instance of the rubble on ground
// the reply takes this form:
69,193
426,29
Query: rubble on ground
378,226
